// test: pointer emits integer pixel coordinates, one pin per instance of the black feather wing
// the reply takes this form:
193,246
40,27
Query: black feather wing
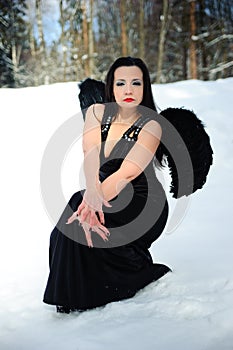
186,145
91,91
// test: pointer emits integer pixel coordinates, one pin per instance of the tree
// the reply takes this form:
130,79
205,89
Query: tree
163,31
14,43
62,38
41,41
124,40
85,39
201,23
70,42
141,30
178,39
91,41
192,48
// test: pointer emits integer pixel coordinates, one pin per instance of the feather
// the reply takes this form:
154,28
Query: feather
91,91
188,150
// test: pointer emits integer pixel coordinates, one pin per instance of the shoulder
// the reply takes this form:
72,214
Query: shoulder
95,113
151,128
150,135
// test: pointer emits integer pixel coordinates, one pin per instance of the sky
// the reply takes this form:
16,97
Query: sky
50,18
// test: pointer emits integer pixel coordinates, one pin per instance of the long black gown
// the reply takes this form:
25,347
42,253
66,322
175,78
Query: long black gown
83,278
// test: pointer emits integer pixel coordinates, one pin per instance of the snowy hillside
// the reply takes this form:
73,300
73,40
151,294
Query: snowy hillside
190,308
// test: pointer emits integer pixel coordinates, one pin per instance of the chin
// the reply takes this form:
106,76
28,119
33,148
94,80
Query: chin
128,104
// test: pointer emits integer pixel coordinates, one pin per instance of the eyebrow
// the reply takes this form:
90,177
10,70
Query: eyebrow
135,79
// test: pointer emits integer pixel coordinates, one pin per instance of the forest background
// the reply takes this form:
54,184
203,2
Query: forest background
49,41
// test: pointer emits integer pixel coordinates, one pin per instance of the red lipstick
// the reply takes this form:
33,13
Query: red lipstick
128,99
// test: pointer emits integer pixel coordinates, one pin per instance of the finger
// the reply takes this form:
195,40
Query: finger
88,222
88,237
101,216
100,233
84,214
93,218
107,204
104,229
81,207
72,218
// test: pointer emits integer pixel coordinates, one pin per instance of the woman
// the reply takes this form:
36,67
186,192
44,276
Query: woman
123,209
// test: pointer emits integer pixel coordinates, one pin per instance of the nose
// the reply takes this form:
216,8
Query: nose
128,89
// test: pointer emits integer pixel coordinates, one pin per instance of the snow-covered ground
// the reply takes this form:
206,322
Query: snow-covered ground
190,308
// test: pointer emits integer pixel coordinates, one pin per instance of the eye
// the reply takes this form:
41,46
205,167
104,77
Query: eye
137,83
120,83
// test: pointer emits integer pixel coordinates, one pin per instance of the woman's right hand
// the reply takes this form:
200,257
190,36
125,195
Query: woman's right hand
92,203
101,230
90,206
97,227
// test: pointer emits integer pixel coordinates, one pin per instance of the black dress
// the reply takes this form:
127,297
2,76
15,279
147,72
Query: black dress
83,278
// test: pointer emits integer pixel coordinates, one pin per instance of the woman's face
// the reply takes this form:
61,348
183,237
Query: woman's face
128,86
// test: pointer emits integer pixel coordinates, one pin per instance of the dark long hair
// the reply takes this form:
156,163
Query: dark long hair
147,100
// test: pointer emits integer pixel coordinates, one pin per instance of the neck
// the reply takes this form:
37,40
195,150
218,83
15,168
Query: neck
127,115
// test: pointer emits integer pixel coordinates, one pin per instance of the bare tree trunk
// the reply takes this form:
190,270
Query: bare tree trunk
185,41
202,46
124,48
15,58
32,43
141,31
85,39
15,53
192,46
91,41
184,63
162,37
31,31
34,76
14,61
40,26
63,44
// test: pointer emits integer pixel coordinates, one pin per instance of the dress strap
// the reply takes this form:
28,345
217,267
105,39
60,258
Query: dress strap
109,112
132,133
105,125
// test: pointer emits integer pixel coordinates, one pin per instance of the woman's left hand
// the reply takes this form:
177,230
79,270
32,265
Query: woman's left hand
78,215
97,227
91,205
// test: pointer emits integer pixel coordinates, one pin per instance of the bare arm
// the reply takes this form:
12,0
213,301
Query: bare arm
91,145
135,162
93,198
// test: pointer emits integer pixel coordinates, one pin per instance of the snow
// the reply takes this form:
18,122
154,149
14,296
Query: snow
190,308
